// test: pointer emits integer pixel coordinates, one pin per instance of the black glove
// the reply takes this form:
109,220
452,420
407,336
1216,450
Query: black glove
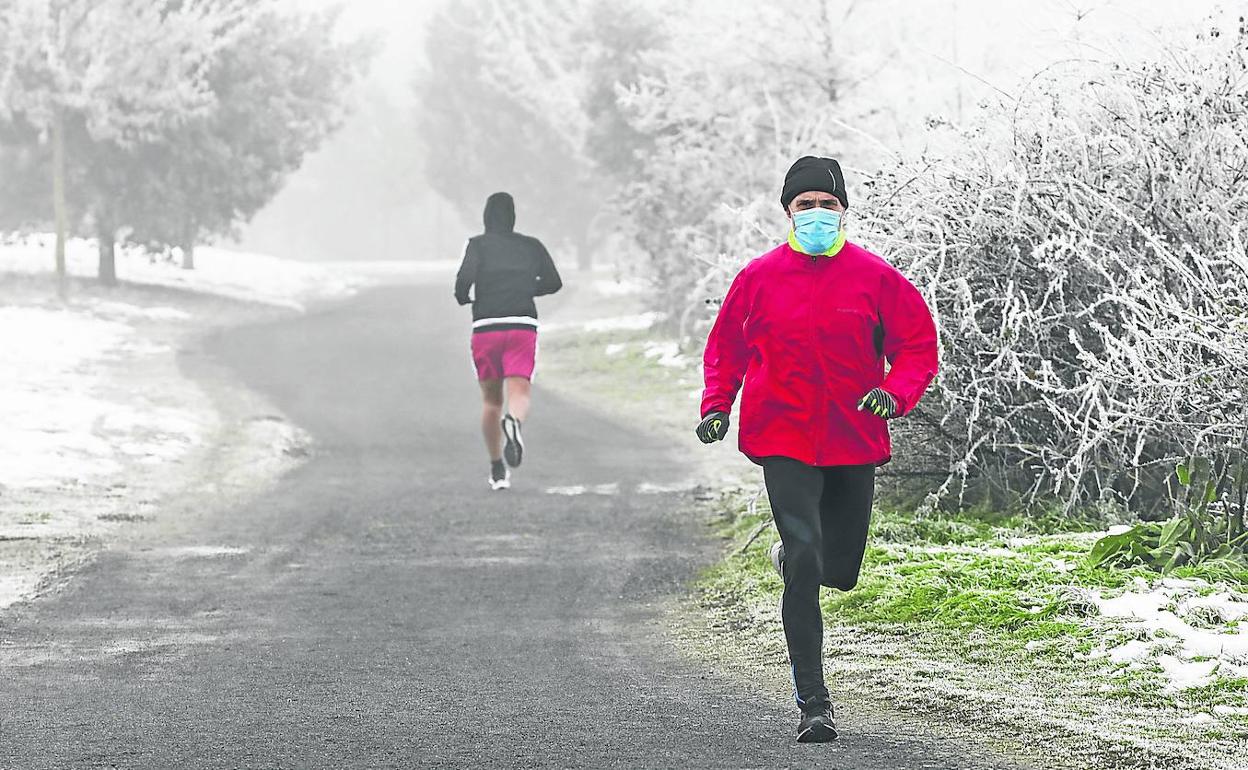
713,427
880,403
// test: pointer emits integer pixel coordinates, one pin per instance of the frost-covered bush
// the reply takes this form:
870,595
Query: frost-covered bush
726,105
1086,255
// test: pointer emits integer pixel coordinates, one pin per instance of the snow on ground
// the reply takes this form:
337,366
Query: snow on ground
97,421
621,323
240,275
1194,631
635,322
666,354
93,416
648,488
206,551
1189,630
48,412
619,288
580,489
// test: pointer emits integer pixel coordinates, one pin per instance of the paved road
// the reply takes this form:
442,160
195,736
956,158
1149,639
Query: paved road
384,609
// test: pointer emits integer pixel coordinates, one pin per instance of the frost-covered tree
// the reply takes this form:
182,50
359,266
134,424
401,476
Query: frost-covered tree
279,89
480,137
733,96
513,99
100,74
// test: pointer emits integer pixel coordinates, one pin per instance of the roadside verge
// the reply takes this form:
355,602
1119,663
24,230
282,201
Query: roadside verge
981,626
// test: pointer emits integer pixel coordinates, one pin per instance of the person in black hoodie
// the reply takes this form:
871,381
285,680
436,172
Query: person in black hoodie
508,270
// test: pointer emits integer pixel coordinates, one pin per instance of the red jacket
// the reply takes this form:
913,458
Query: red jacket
809,336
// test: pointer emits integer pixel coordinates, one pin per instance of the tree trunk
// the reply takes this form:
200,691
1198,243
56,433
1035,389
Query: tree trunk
108,258
58,199
188,256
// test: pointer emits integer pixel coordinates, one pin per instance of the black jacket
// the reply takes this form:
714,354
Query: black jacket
508,270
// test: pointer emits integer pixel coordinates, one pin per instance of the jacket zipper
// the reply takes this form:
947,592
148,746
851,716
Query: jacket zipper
820,385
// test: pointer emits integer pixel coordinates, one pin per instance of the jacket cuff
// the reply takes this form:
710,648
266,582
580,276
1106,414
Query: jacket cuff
903,405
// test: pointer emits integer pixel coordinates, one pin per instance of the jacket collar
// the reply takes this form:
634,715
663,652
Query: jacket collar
832,251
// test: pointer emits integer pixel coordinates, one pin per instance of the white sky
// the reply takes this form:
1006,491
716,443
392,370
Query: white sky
937,54
992,38
400,25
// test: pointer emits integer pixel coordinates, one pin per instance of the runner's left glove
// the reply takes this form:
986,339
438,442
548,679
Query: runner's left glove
880,403
713,427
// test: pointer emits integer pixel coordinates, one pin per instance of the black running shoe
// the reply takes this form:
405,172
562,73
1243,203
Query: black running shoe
513,450
817,726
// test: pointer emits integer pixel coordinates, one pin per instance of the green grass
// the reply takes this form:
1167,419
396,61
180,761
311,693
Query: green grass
936,579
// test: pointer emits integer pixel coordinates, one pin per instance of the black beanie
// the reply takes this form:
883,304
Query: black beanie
811,173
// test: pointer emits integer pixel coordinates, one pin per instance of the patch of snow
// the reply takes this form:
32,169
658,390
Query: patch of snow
223,272
648,488
668,354
580,489
141,347
160,420
1141,606
572,490
1228,605
615,348
637,322
47,410
14,588
1230,711
1189,656
378,268
1187,674
192,551
54,428
620,288
1131,652
1178,583
128,311
158,451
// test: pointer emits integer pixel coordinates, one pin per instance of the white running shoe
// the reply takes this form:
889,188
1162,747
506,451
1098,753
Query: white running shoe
777,558
777,561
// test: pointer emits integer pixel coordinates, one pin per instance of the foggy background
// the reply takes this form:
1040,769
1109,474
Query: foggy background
364,196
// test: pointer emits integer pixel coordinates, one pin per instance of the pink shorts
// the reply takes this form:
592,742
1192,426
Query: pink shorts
504,353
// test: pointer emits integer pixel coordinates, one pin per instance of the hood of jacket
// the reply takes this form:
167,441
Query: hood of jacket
500,213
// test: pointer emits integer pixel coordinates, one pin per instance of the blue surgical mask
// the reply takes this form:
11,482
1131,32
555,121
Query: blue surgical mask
816,229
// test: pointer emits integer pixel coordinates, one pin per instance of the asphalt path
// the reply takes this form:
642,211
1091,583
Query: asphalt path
381,607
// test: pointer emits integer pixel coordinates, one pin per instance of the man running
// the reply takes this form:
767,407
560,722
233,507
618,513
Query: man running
808,327
508,270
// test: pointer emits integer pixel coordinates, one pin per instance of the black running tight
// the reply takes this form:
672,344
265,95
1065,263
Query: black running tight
823,514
